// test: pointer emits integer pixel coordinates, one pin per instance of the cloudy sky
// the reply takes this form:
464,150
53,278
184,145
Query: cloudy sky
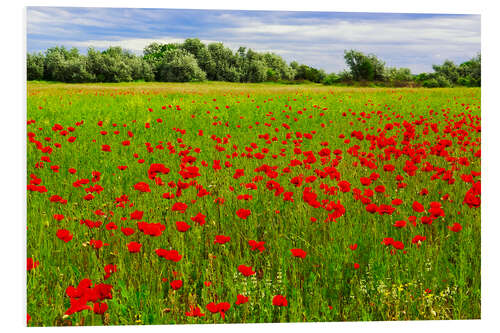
317,39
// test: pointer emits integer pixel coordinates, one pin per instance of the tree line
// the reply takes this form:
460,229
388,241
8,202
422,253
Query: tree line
192,60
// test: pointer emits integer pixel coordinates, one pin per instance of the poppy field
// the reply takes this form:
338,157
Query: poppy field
196,203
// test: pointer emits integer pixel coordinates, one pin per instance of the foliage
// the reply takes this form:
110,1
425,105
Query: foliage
178,65
364,67
470,72
304,72
192,60
331,78
34,66
448,74
393,74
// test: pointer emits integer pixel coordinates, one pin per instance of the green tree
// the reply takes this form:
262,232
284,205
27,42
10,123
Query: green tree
331,78
34,66
201,53
65,65
304,72
257,71
393,74
179,65
53,68
470,72
154,55
278,68
448,72
364,67
111,65
225,64
140,69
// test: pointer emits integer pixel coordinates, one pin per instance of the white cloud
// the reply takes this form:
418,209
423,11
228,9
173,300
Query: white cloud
451,30
133,44
39,17
318,41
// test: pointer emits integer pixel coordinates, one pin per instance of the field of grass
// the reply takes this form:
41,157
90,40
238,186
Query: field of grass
344,204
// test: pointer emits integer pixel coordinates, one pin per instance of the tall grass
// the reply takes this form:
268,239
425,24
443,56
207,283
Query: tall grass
440,279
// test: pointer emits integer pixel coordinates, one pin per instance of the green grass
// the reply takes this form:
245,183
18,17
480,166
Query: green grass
324,286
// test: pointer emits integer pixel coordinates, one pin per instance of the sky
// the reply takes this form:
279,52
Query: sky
317,39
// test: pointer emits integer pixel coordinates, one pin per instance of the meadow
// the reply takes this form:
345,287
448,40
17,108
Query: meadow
159,203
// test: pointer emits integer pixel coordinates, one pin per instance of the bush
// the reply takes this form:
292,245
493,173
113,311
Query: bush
430,83
195,61
180,66
331,79
443,81
34,66
257,71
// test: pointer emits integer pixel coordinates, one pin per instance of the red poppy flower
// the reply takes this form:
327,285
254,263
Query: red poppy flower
156,168
365,181
241,299
398,245
134,247
299,253
256,245
77,305
238,173
199,218
353,246
111,226
221,239
356,266
182,226
280,300
194,312
243,213
88,197
246,270
55,198
108,269
387,241
142,187
344,186
171,255
100,308
418,239
179,207
371,208
400,224
396,202
219,307
426,219
127,231
64,235
96,244
32,264
151,229
389,168
176,284
418,207
456,227
136,215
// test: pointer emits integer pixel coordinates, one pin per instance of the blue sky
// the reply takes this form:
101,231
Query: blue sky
317,39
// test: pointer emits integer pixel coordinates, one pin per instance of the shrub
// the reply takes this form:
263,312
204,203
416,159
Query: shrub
331,79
